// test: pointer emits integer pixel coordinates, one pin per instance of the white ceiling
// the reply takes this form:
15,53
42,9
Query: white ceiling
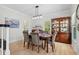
29,9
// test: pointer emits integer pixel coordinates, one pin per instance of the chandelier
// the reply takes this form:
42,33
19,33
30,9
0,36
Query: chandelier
37,15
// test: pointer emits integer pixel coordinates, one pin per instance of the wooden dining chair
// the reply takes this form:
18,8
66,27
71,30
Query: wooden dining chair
36,41
26,38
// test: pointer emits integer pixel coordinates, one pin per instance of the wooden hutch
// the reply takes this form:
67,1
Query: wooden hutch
63,26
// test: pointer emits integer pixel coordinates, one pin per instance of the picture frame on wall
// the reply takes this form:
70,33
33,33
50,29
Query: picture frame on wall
12,22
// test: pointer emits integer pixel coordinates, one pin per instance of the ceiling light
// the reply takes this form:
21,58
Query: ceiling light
37,15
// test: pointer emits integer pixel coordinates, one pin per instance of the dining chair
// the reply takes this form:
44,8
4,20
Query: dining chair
53,40
36,41
26,38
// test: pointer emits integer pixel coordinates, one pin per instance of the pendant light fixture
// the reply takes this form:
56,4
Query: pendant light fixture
37,15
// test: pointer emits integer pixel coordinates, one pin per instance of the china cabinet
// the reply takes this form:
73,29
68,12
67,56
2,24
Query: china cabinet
62,26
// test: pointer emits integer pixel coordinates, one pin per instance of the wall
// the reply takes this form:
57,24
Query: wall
15,33
77,45
75,22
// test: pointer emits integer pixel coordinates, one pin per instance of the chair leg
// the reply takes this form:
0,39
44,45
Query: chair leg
32,47
28,45
44,44
52,46
24,43
38,48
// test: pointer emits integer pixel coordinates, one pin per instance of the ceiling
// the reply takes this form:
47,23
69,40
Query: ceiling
29,9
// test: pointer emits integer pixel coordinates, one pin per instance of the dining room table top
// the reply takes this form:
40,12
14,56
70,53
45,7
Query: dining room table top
43,34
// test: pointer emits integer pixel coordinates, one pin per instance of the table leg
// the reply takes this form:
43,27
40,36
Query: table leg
42,43
45,41
47,45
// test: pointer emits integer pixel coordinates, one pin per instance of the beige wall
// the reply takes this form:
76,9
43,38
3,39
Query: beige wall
75,22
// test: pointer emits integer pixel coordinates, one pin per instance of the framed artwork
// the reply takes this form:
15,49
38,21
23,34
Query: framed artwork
13,23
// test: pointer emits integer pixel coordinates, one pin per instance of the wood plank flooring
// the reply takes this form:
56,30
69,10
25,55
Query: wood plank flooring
17,48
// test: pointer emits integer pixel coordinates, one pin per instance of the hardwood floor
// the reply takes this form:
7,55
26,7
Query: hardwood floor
60,49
